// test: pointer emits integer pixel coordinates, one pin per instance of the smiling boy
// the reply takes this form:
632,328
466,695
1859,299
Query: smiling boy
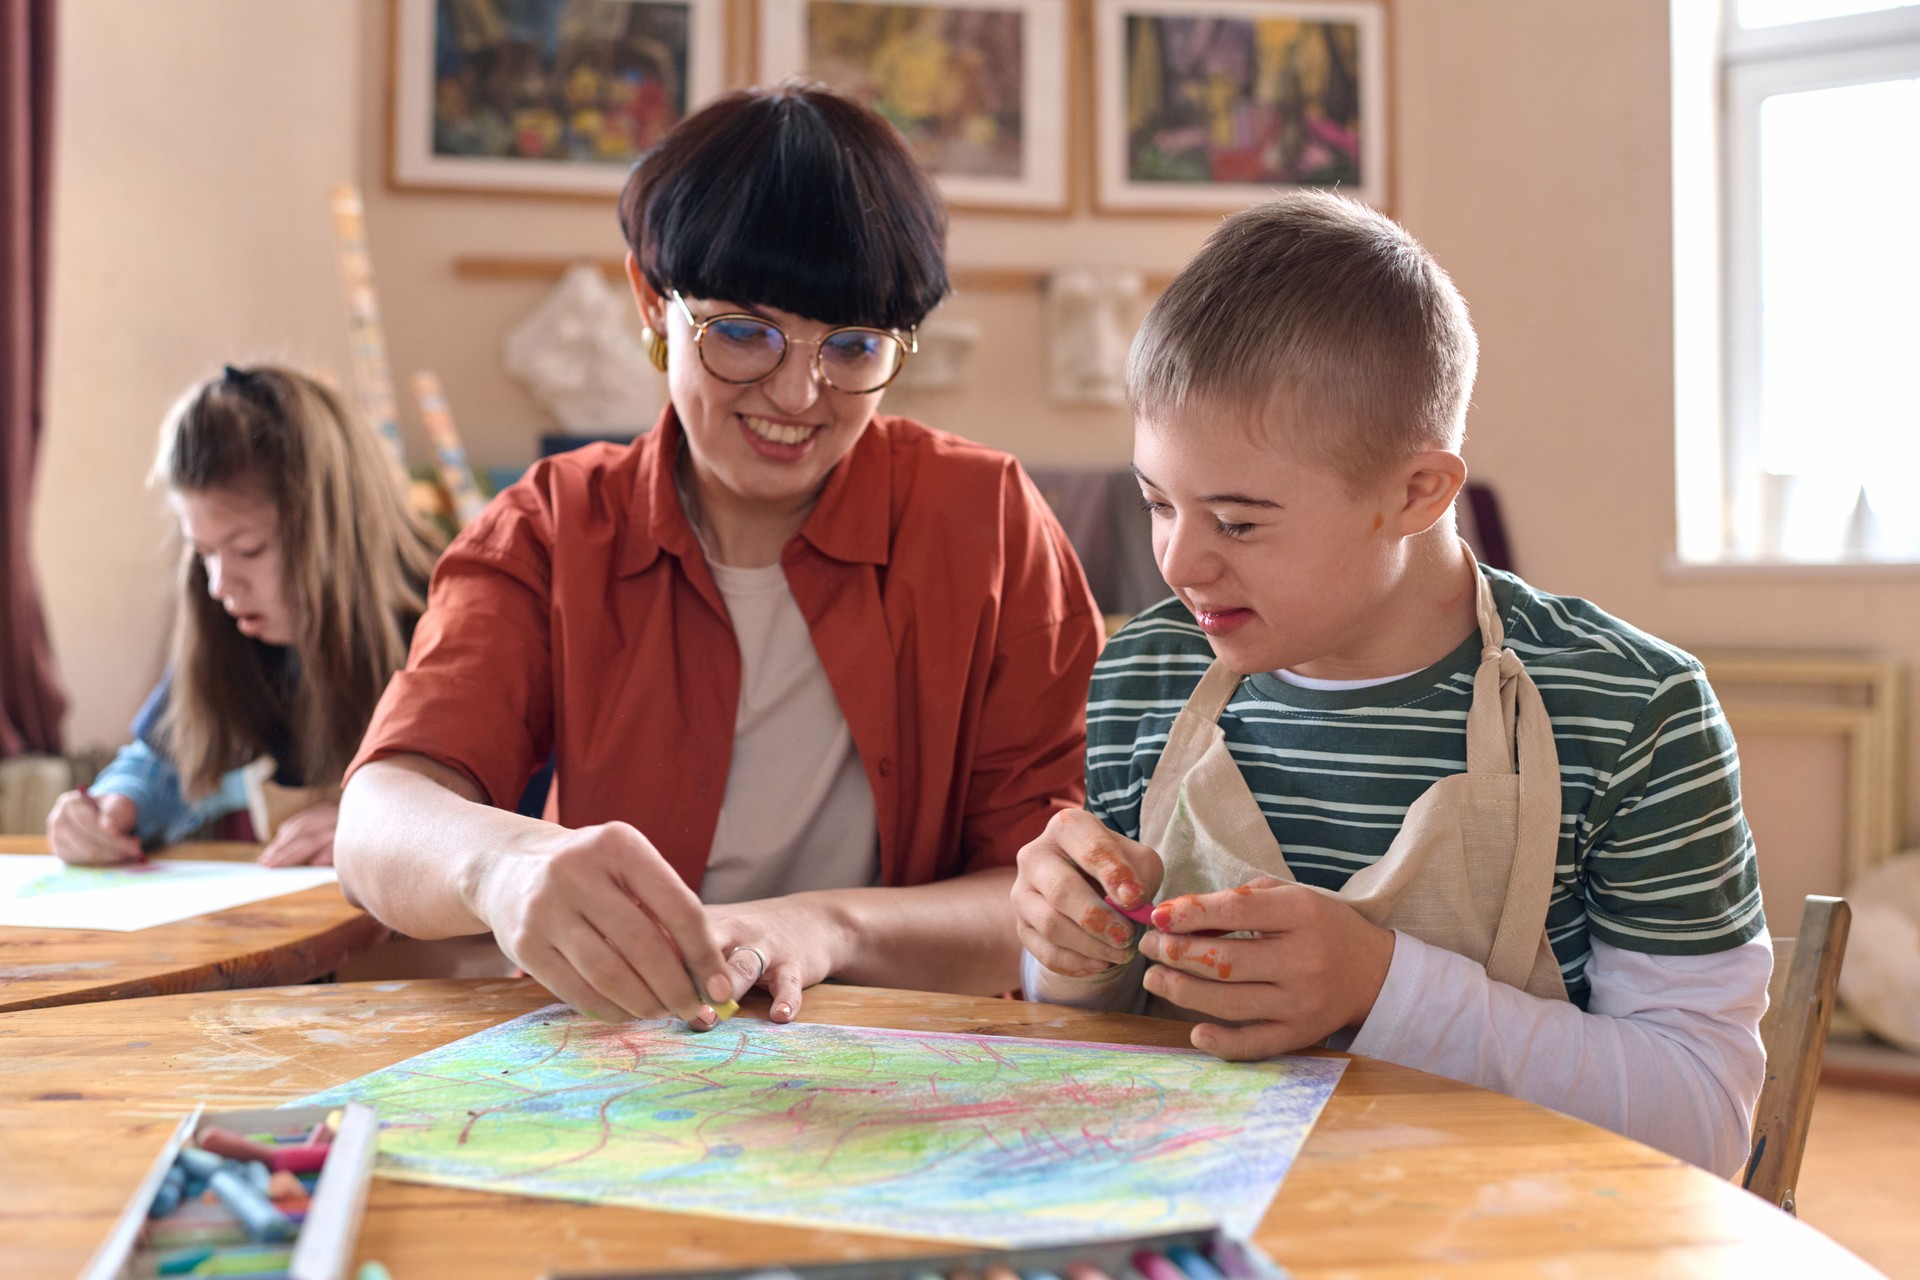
1449,820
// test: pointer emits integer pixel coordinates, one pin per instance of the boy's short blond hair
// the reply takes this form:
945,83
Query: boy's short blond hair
1317,300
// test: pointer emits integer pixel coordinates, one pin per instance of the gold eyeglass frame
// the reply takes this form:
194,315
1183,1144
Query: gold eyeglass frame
909,346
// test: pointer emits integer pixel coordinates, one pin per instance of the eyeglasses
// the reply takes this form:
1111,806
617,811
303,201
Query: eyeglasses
744,349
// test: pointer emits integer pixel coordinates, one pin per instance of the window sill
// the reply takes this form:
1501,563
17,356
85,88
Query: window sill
1789,570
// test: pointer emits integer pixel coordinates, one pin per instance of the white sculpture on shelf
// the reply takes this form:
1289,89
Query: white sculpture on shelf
1089,327
580,355
1880,981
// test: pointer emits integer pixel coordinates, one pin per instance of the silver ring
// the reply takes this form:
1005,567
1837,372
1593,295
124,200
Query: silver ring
757,954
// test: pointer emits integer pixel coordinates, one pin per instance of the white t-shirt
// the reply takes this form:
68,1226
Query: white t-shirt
798,813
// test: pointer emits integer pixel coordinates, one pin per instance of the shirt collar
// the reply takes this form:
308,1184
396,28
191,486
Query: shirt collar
851,522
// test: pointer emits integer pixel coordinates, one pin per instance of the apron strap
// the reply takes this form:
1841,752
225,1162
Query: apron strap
1187,741
1490,717
1536,847
1508,732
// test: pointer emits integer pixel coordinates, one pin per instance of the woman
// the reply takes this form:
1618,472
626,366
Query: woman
301,577
811,676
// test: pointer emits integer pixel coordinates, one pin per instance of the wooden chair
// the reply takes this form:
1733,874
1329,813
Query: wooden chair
1806,971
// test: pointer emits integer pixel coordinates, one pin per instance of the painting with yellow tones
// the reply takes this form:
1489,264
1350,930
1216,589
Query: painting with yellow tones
977,89
1214,106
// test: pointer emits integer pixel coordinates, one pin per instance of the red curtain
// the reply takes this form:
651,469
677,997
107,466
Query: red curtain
31,703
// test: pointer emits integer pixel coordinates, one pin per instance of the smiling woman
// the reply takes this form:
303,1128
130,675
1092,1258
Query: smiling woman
810,675
301,576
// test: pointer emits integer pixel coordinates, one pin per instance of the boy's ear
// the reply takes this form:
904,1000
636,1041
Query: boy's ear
653,308
1431,480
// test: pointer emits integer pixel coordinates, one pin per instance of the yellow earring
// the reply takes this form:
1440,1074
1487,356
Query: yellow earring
656,348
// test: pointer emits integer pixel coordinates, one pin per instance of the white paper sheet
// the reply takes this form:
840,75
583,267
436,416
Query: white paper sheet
42,892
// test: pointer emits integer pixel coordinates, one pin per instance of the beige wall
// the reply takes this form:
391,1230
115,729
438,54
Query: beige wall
197,142
1532,156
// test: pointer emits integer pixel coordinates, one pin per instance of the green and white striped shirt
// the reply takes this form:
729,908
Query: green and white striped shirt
1655,855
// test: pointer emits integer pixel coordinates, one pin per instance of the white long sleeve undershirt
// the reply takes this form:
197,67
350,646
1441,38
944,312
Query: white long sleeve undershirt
1667,1051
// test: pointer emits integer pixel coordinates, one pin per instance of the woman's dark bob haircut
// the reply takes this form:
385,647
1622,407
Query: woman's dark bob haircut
793,198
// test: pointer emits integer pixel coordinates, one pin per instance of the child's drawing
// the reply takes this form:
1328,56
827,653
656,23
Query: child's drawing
977,1139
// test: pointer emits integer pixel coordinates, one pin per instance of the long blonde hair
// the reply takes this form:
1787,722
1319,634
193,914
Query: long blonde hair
354,564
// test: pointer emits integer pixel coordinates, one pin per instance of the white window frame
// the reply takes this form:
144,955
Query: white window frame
1756,64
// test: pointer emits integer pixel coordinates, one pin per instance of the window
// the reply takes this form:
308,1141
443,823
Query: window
1822,280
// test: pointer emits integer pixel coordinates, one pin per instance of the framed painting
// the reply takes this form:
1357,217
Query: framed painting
979,88
1208,106
544,96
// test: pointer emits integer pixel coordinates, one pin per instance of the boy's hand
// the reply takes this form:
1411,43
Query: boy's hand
1317,967
1058,889
93,830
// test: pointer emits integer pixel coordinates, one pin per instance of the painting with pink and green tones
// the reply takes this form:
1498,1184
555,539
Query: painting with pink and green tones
983,1140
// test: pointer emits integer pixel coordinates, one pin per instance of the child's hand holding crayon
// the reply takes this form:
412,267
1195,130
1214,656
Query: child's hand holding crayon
1316,967
1059,889
90,830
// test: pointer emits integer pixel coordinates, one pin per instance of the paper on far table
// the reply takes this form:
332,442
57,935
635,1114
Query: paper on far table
43,892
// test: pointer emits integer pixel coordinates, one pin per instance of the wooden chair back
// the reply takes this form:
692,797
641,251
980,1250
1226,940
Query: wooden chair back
1806,971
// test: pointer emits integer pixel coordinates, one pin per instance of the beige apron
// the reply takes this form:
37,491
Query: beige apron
1472,866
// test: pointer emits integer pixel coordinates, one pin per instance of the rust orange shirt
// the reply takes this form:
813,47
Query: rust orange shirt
577,616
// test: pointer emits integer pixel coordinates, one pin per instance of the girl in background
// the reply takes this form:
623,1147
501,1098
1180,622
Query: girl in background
301,576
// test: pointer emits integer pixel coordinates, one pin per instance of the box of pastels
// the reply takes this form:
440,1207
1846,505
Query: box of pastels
1204,1253
253,1194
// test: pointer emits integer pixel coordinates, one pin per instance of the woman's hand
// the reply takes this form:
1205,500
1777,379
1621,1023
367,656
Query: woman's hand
305,838
598,917
1317,966
800,936
1057,894
93,830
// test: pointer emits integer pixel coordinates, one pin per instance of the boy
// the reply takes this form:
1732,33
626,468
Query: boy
1574,919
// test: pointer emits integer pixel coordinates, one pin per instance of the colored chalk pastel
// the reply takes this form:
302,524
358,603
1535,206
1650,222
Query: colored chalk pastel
1154,1267
1001,1271
247,1203
1142,914
1188,1259
283,1183
299,1159
178,1262
244,1262
234,1146
176,1233
1085,1271
197,1163
1232,1263
1039,1275
320,1136
374,1271
259,1175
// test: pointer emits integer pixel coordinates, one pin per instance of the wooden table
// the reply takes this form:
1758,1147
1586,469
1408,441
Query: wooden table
293,938
1406,1174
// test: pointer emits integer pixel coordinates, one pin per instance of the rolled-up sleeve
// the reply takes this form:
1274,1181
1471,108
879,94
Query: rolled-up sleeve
477,691
1031,757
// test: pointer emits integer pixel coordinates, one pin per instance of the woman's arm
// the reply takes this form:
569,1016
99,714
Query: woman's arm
595,914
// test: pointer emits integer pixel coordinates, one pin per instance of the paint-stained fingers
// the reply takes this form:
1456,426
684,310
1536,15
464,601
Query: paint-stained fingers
1051,885
1261,906
553,971
783,983
1067,964
1227,1001
1126,870
1227,959
1249,1043
1041,926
